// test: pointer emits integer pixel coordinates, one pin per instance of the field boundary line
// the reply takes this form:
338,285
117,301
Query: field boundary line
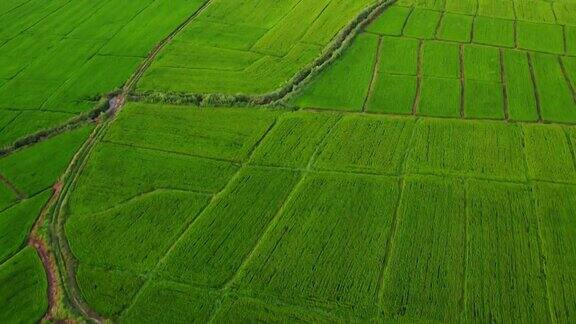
567,78
282,94
462,82
419,76
570,146
503,80
390,246
535,87
375,74
464,183
19,193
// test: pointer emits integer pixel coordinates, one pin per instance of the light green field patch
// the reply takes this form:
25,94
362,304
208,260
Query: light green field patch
350,149
391,21
399,55
424,278
519,87
570,34
221,133
467,7
455,27
504,280
496,8
555,205
565,12
556,97
422,23
171,302
117,173
467,148
445,105
393,94
107,292
493,31
481,63
16,223
540,37
441,59
293,140
569,64
344,84
221,35
23,288
548,153
37,168
29,122
483,100
538,11
160,216
215,246
297,262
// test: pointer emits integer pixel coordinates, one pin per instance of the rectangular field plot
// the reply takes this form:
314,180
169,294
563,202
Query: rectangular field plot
250,310
367,144
496,8
483,100
398,55
38,167
519,86
494,31
565,12
118,173
7,197
540,37
455,28
393,94
423,280
391,21
322,253
548,153
108,292
467,7
173,303
422,23
294,139
481,63
569,65
445,105
538,11
221,133
555,207
212,250
556,98
441,59
467,148
344,84
504,280
160,217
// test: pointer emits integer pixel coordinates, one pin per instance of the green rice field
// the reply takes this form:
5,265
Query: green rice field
279,161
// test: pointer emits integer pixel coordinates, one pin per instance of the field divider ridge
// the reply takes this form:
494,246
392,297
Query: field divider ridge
375,74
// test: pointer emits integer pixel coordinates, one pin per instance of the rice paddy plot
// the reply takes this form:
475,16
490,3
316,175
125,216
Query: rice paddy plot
293,140
393,94
441,59
170,302
534,11
520,94
494,31
115,174
160,217
484,149
23,287
219,133
399,55
344,84
36,168
540,37
467,7
503,250
564,12
423,280
25,123
549,153
446,105
212,250
422,23
481,63
16,222
108,292
7,197
390,22
367,144
555,208
496,9
321,252
455,28
483,100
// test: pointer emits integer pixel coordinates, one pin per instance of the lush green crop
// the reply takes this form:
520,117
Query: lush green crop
7,197
28,122
349,148
496,8
467,7
540,37
23,288
394,94
441,59
422,23
479,149
294,139
16,222
481,63
494,31
483,100
391,21
549,153
322,252
216,245
455,28
446,105
227,134
399,55
519,87
430,234
504,280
